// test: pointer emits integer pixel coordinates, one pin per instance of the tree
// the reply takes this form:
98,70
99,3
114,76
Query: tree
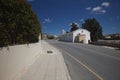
74,27
18,23
94,27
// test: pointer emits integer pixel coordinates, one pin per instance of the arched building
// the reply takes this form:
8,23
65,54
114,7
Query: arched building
80,35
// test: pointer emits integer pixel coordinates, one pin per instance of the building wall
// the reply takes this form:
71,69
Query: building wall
82,32
80,38
71,36
67,37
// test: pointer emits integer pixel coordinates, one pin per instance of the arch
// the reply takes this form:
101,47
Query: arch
80,38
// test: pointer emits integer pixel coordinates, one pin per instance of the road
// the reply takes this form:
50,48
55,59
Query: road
90,62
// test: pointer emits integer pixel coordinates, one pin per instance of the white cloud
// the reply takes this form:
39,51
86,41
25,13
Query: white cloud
88,8
98,10
47,20
82,20
106,4
103,11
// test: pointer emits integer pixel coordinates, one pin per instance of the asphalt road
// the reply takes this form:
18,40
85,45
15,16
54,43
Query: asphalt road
90,62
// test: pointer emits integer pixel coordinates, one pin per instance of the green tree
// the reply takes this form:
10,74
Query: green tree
74,27
18,23
94,27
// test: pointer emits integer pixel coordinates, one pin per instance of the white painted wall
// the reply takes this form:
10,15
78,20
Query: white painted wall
14,62
82,32
71,36
67,37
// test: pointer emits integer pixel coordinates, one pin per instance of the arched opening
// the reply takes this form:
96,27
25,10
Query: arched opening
80,38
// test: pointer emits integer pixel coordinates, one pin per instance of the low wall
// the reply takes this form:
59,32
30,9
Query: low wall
14,60
111,43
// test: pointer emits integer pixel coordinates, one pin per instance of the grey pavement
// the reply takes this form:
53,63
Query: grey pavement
49,66
90,62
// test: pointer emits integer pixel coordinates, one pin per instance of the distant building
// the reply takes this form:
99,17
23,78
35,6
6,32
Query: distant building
115,36
80,35
107,36
63,31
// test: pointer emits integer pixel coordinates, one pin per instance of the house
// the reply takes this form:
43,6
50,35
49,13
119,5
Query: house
80,35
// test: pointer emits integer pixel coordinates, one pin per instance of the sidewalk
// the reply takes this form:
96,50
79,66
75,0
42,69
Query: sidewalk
49,66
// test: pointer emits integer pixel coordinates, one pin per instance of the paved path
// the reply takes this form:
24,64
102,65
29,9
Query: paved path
49,66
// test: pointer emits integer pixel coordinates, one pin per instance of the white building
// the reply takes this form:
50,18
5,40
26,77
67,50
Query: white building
80,35
63,31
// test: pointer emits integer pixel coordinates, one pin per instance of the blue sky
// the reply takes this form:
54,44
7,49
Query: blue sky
56,15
